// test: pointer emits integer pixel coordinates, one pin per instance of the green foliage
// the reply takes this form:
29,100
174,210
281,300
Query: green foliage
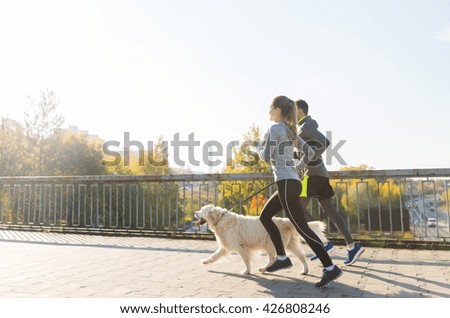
245,160
150,162
14,159
73,154
366,194
41,121
445,198
369,193
40,148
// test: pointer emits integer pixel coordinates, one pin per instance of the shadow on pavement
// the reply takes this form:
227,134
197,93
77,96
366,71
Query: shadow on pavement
415,288
287,287
107,246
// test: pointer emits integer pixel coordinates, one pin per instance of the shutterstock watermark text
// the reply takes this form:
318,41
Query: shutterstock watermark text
184,151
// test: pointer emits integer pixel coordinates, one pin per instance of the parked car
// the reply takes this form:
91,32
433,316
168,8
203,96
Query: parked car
431,222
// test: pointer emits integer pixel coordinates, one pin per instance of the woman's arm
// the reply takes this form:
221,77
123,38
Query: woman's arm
267,147
308,155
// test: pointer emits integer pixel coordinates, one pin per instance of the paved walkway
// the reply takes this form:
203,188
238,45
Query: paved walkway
68,265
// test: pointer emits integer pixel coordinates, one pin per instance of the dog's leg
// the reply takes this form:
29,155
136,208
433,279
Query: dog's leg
270,254
296,249
246,258
221,252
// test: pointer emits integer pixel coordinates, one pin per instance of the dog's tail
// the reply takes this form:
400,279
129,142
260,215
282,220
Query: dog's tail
319,228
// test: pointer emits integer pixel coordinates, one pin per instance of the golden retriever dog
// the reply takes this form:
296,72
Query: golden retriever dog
246,235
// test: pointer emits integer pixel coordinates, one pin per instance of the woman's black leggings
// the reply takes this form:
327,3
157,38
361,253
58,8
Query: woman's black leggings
287,198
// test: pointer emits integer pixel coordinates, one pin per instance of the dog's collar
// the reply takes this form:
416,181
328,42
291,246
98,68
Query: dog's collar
223,214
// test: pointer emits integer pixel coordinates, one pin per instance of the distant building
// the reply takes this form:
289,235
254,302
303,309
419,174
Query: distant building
75,130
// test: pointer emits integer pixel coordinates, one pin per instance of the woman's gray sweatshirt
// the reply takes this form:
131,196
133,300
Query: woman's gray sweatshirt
277,150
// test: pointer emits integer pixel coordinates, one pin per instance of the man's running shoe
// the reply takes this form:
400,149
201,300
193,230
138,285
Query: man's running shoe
329,247
354,254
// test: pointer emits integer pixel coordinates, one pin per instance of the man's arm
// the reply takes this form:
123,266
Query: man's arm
315,139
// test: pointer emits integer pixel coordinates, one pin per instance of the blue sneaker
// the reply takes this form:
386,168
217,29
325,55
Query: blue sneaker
329,247
354,254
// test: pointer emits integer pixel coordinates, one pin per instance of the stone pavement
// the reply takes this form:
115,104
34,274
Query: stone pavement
52,265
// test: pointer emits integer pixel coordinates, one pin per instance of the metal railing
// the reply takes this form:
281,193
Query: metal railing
388,203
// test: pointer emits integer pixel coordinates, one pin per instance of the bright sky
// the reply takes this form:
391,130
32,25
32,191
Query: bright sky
375,73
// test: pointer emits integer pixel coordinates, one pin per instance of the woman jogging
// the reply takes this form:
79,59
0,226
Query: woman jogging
278,151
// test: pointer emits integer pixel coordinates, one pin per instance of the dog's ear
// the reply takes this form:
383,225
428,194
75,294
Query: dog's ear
207,208
215,212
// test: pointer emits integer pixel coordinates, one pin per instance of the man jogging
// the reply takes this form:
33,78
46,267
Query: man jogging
316,182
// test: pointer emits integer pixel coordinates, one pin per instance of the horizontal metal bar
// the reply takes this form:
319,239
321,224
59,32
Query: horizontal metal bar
196,177
168,202
399,173
138,178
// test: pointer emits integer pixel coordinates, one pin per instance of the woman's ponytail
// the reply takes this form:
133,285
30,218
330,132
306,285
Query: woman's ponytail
291,121
289,112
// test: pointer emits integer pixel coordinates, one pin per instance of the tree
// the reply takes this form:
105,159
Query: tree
40,122
14,159
74,154
159,196
151,161
156,159
373,194
246,160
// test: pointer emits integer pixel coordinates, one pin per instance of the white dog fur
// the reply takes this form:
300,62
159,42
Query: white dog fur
246,234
